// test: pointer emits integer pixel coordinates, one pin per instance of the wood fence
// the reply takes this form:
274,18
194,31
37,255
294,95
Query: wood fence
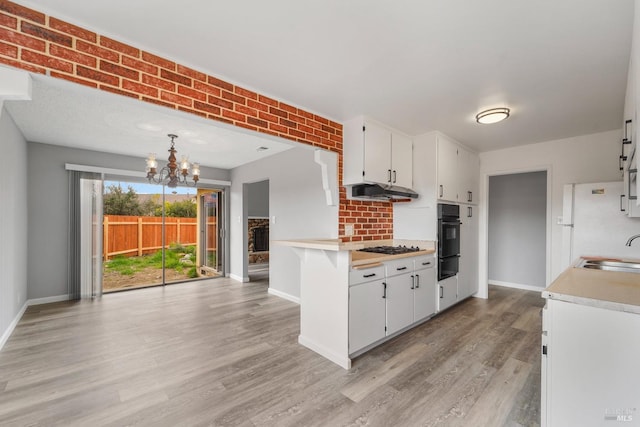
141,235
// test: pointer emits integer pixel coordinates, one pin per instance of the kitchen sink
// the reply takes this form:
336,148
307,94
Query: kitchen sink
611,265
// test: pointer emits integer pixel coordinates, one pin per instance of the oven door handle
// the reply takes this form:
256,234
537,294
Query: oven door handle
451,222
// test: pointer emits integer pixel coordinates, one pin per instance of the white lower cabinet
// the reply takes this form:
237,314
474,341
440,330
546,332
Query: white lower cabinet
366,314
447,292
399,294
386,299
424,303
590,374
468,269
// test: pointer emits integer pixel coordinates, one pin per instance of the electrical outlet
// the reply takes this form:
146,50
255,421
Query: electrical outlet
348,230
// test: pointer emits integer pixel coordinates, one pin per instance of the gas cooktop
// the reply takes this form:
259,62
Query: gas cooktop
390,250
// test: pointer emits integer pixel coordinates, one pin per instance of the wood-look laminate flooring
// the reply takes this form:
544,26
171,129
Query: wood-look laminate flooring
221,353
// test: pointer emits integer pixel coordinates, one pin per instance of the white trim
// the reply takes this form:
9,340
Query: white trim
284,295
516,286
136,174
47,300
7,333
343,362
238,278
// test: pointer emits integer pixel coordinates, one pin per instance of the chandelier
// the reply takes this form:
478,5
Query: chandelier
171,175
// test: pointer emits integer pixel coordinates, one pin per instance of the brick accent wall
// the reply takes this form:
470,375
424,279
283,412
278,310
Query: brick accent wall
33,41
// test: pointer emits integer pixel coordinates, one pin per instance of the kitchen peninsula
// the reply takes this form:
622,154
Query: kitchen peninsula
345,294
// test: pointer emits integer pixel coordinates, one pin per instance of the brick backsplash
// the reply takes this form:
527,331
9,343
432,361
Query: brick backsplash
33,41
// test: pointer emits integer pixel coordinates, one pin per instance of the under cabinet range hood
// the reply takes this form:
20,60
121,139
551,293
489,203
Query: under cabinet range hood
381,192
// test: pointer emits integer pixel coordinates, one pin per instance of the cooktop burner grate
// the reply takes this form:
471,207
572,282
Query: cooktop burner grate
391,250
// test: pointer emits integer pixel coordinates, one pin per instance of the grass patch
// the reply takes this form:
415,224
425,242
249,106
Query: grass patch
129,265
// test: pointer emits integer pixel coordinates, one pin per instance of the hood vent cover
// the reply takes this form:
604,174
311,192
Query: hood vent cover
382,192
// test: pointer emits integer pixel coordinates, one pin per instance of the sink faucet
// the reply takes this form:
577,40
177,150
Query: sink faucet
632,238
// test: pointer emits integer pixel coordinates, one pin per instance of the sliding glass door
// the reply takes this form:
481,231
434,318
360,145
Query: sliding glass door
153,235
210,256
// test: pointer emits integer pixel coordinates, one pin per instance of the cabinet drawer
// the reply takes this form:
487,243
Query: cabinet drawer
425,262
366,275
399,266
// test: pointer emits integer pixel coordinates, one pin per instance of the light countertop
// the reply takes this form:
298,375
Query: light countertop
606,289
362,258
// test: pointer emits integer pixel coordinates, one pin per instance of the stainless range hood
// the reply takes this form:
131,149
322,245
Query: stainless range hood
381,192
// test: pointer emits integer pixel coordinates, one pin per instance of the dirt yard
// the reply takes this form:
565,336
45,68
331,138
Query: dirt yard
114,281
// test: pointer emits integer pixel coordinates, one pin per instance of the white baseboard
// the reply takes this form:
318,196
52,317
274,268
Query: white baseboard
5,336
516,286
47,300
340,360
284,295
238,278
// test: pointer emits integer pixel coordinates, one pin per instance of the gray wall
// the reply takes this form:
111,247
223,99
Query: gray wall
297,200
47,195
13,224
517,228
258,198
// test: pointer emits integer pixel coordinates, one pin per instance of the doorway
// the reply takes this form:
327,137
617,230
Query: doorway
152,235
258,230
517,230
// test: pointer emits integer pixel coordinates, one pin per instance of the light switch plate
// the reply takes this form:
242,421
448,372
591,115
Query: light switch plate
348,230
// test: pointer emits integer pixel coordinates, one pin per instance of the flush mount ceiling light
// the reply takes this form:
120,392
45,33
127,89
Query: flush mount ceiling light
170,175
493,115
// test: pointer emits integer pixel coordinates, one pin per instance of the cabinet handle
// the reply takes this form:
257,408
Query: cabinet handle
389,171
441,292
401,268
469,196
394,177
470,212
620,160
417,281
413,281
441,190
622,209
426,263
368,275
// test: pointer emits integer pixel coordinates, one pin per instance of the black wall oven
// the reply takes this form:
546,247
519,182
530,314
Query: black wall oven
448,240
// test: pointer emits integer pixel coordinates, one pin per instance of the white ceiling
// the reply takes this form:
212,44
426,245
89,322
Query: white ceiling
417,65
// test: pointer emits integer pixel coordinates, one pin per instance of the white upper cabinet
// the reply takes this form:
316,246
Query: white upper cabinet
375,153
376,144
458,172
447,169
401,160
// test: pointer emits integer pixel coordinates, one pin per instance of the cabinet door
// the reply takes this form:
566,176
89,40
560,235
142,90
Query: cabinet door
366,314
401,160
468,273
447,170
447,292
399,302
469,176
424,301
377,153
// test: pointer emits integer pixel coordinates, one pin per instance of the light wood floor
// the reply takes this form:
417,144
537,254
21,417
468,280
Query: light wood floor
217,352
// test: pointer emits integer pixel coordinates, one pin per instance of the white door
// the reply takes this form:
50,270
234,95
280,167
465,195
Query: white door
366,314
401,161
424,301
399,302
377,153
447,170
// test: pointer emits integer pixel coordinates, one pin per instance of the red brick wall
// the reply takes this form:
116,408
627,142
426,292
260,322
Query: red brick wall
42,44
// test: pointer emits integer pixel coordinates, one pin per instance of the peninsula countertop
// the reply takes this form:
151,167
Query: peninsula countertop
362,258
605,289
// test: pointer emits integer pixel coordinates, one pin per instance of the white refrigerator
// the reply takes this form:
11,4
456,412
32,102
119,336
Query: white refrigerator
593,224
